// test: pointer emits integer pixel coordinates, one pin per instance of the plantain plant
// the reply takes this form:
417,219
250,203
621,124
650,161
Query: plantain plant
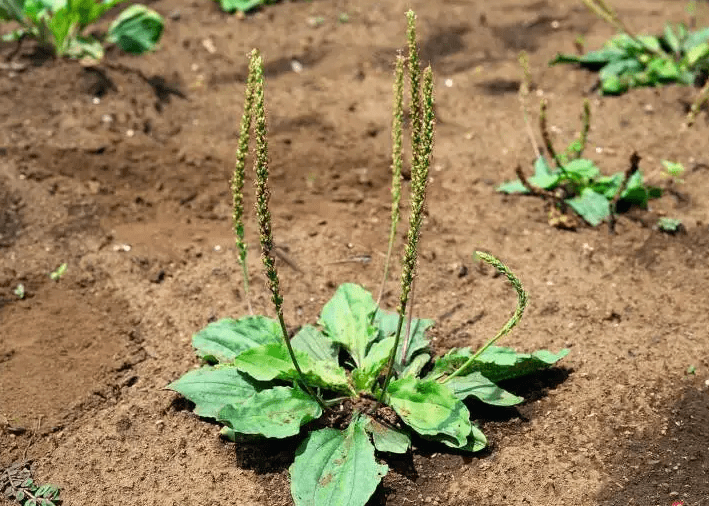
357,385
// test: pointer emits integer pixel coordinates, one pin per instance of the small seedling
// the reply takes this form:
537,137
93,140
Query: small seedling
58,273
670,225
576,183
243,5
19,291
674,170
61,25
356,382
17,484
629,61
343,18
691,370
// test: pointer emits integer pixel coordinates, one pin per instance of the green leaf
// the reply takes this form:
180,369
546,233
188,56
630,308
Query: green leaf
543,176
498,363
386,438
697,53
82,47
582,170
608,186
614,85
212,388
336,468
669,225
20,495
239,5
674,169
592,59
511,187
366,374
671,39
663,70
618,68
276,412
430,409
591,206
11,10
136,30
479,386
416,365
695,38
272,361
224,339
476,440
313,342
637,193
346,317
386,323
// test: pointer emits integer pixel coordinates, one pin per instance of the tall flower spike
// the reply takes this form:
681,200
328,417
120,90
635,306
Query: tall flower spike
419,180
263,215
237,181
396,163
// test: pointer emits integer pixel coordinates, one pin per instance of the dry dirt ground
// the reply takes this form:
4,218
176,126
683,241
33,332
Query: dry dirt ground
124,176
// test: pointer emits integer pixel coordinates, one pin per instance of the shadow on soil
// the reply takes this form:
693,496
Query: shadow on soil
673,466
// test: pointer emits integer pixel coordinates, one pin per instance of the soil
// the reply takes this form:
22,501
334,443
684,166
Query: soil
123,175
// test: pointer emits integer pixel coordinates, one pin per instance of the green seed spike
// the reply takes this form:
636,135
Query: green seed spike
237,181
419,180
396,164
512,322
263,215
415,84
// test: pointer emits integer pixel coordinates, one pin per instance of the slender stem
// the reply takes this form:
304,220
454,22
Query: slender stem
516,317
524,89
407,332
585,127
702,97
291,352
392,356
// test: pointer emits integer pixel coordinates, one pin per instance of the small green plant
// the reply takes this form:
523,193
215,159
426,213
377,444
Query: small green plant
243,5
19,291
56,274
576,183
354,381
629,61
61,25
17,484
670,225
674,170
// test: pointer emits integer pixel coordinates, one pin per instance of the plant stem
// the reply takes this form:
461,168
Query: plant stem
407,331
702,97
524,89
605,12
546,136
237,181
585,127
263,215
396,163
516,317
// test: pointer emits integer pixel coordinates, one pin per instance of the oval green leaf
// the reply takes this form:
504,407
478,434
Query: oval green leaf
277,412
212,388
223,340
136,30
430,409
346,319
336,468
479,386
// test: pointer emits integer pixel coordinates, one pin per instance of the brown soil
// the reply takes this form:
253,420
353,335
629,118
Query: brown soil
94,161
